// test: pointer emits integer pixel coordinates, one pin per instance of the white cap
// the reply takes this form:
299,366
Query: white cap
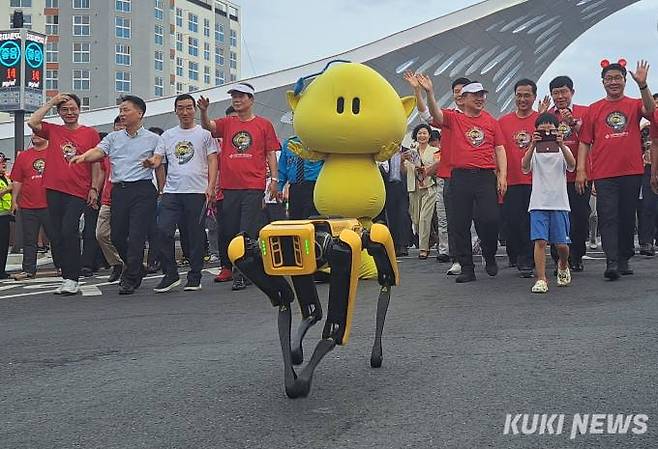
473,88
240,87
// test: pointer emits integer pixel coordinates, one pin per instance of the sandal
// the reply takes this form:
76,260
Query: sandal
423,254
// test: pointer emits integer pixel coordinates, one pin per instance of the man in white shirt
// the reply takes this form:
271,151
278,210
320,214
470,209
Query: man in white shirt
191,155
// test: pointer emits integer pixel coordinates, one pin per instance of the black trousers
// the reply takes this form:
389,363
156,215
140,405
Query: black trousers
647,224
616,205
517,225
474,197
5,221
241,213
300,201
133,207
65,211
222,241
176,209
31,222
397,209
91,254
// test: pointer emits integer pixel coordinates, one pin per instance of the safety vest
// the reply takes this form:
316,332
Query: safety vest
5,200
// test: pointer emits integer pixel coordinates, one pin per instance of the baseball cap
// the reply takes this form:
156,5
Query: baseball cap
473,88
4,158
244,88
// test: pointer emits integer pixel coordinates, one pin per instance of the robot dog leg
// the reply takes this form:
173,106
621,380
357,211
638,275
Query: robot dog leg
379,245
309,305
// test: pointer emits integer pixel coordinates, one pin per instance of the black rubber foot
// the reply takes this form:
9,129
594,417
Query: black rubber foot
299,389
297,356
376,361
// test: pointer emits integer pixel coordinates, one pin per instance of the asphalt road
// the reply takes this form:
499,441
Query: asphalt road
204,370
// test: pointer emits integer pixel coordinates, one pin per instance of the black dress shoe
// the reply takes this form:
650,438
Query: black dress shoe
491,266
126,288
577,266
443,258
624,268
468,275
116,273
611,270
86,272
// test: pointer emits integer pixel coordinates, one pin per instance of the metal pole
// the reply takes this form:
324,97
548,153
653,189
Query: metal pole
19,145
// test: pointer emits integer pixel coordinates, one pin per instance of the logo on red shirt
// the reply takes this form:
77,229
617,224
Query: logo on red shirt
39,165
475,136
522,139
69,149
565,129
242,141
617,121
184,152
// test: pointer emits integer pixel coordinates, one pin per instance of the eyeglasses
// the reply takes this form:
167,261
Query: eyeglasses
68,110
611,79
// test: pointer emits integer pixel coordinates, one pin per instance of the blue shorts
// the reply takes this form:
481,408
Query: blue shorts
550,225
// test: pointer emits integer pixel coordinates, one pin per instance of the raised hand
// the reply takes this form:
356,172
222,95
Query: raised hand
545,104
203,103
424,81
410,77
641,73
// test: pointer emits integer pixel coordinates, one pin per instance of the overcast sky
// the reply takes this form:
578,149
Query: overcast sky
284,33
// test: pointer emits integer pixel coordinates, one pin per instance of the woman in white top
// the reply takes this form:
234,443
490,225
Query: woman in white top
418,166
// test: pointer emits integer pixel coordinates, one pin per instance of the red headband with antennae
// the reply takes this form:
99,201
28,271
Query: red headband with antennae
622,62
605,63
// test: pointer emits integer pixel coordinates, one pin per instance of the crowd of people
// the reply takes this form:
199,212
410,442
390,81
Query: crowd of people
528,179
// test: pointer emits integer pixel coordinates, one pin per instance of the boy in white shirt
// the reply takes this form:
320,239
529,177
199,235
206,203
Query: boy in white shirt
548,158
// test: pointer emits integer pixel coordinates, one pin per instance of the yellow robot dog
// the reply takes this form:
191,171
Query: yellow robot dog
350,116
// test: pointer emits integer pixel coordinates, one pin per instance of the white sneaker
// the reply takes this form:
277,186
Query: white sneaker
455,269
563,277
540,287
213,259
69,288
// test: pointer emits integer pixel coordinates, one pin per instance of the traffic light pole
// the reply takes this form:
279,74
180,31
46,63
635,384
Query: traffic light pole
19,132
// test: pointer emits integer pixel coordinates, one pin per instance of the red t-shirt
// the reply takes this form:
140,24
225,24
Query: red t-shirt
244,151
106,196
63,145
28,170
473,139
653,128
612,128
572,137
518,135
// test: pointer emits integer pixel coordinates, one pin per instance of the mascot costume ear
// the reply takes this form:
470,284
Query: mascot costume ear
408,103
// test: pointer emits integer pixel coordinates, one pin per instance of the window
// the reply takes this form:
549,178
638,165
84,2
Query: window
122,54
192,88
179,17
20,3
157,10
81,52
27,21
193,22
52,3
233,77
179,41
219,55
219,77
122,81
193,72
233,12
219,32
52,25
206,74
221,7
233,39
179,67
159,35
80,4
179,88
159,86
193,46
206,27
122,27
81,26
81,80
122,5
206,51
158,58
51,79
233,60
84,104
51,52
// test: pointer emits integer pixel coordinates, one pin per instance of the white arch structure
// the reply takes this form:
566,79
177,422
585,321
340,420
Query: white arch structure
495,41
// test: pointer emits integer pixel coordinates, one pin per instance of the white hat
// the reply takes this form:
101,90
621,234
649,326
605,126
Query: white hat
473,88
240,87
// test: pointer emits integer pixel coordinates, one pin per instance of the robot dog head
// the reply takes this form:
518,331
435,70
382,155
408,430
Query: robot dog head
350,109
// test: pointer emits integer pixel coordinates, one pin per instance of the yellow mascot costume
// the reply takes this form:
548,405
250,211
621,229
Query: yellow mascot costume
351,117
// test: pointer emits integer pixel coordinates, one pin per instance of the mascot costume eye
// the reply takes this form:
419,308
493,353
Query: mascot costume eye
350,117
